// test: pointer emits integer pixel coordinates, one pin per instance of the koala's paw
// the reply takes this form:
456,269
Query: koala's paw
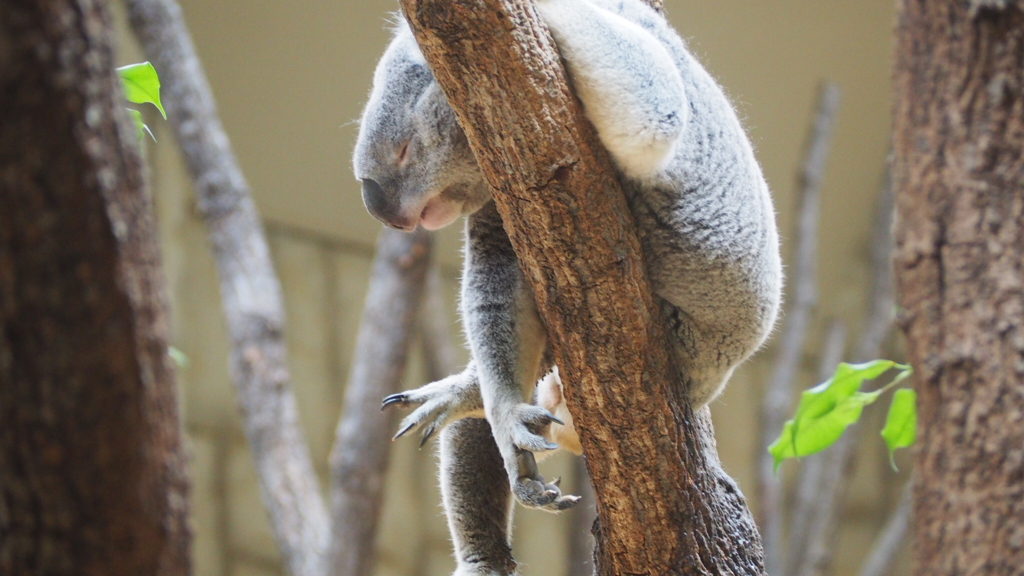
522,426
530,489
439,404
519,432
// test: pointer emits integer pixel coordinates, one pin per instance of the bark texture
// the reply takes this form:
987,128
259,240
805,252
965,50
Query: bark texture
92,477
665,505
959,173
359,457
250,291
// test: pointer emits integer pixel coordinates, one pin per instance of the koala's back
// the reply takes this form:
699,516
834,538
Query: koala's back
707,226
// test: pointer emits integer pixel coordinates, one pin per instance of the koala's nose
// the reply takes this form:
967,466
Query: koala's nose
381,206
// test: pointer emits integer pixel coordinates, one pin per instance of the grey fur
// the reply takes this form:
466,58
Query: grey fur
706,225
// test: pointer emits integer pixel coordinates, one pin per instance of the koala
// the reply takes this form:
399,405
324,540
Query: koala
707,232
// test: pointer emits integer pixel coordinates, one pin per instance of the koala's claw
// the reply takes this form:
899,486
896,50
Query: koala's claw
522,426
438,404
531,490
401,432
399,399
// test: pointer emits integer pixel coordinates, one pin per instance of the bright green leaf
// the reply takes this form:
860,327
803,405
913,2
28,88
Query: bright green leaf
141,85
901,423
826,410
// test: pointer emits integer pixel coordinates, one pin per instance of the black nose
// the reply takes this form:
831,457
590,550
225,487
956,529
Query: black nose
383,206
376,201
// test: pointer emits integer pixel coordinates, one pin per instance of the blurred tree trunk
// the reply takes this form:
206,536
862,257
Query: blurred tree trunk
959,173
91,466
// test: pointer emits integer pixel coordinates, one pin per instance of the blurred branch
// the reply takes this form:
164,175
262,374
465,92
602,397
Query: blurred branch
810,474
360,454
778,396
888,543
250,291
435,330
832,478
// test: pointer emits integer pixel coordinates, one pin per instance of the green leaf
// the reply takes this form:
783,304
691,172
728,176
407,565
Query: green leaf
140,127
826,410
141,85
901,423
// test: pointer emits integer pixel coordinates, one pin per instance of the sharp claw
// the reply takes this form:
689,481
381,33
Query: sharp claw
556,420
403,431
568,502
550,446
392,399
427,435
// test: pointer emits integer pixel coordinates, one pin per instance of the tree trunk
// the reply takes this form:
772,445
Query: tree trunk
91,466
959,132
664,503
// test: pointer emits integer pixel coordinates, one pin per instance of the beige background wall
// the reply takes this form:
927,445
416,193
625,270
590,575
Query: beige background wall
290,80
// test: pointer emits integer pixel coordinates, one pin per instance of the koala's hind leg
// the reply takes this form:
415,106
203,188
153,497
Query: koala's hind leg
626,78
477,499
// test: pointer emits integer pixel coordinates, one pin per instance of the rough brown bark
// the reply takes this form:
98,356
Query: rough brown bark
250,291
92,477
665,505
959,176
359,457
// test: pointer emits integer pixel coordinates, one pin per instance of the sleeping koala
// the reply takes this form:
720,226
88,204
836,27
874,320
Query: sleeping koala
707,231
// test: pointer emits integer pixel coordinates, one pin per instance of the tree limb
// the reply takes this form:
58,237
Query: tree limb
435,330
890,540
665,504
837,460
808,490
250,292
359,457
92,468
779,391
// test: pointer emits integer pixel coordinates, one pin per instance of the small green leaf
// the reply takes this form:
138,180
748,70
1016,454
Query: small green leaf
826,410
901,423
140,127
141,85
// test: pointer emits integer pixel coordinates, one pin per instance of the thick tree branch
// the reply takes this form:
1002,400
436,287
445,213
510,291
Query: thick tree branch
665,504
92,470
958,170
360,454
779,390
249,289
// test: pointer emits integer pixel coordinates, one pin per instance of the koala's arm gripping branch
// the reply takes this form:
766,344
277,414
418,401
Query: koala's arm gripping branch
664,503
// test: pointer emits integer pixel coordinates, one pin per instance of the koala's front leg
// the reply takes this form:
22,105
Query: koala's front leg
507,341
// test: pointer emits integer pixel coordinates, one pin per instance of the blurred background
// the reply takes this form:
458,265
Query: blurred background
290,81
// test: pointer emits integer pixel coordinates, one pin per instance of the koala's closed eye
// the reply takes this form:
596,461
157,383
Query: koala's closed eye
402,155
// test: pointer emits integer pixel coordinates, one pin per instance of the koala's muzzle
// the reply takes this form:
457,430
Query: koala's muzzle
386,207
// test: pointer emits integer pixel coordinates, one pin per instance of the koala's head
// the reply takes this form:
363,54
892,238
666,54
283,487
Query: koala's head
411,156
